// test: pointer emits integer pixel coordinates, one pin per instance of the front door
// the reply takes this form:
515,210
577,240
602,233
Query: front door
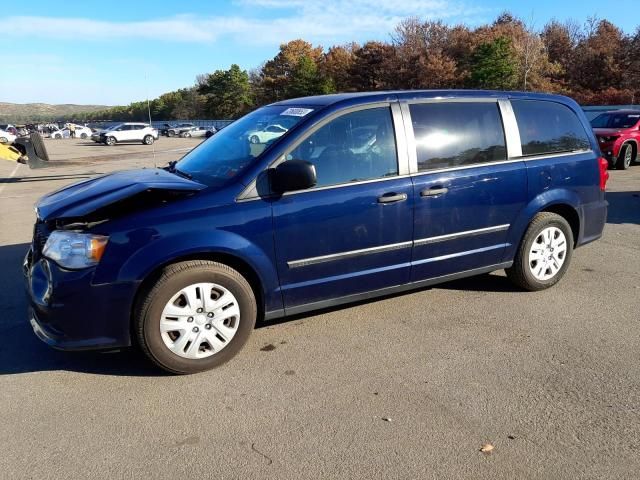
352,232
466,192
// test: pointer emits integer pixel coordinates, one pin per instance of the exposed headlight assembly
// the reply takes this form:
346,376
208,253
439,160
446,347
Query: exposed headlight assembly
75,250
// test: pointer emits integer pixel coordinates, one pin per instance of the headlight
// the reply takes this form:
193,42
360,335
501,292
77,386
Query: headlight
74,250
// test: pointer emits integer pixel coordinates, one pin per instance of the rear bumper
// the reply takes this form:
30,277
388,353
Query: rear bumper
594,217
68,312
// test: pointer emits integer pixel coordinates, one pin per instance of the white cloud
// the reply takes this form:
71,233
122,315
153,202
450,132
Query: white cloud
331,21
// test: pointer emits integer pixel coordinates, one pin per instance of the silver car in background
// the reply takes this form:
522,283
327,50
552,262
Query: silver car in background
199,132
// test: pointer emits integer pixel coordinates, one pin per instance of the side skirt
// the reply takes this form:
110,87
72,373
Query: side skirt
383,291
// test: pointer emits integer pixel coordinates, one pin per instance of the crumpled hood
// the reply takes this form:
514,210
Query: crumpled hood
88,196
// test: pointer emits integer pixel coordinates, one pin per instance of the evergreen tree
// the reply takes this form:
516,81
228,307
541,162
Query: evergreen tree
494,66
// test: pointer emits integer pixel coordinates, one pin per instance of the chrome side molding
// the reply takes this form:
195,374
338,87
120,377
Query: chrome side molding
466,233
397,246
352,253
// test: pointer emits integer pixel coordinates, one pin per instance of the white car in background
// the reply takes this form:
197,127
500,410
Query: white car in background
81,132
267,133
129,132
7,137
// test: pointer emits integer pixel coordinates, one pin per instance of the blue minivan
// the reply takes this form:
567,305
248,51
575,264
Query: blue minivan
310,203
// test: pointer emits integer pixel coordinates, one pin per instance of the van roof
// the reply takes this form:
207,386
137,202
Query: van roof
365,97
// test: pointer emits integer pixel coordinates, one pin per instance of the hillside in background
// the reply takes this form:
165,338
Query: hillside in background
43,112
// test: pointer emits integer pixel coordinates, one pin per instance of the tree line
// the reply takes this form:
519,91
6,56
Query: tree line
595,63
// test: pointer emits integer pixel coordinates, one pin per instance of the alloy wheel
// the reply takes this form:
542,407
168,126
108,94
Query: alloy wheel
627,157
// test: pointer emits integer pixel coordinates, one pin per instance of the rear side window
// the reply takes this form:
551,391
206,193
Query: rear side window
457,134
548,127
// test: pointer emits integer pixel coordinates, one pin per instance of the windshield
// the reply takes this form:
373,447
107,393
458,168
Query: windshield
615,120
235,147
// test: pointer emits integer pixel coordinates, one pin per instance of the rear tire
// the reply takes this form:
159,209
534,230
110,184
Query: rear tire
148,140
254,139
186,135
171,134
83,136
525,271
625,157
163,347
38,146
4,140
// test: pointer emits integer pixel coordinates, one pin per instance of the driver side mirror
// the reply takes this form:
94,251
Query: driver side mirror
293,175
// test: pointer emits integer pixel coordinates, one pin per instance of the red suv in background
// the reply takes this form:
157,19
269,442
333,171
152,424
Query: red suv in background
618,134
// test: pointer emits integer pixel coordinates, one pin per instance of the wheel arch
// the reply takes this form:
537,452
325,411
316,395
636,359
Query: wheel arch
253,260
634,144
563,202
570,214
233,261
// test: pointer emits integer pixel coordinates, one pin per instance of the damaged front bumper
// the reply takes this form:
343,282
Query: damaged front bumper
68,312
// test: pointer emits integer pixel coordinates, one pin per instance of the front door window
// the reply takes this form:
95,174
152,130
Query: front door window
354,147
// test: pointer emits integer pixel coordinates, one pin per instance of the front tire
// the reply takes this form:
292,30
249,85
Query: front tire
544,253
83,136
111,141
186,135
195,317
254,139
171,134
624,158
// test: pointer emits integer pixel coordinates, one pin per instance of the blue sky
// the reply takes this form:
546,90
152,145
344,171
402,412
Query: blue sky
116,52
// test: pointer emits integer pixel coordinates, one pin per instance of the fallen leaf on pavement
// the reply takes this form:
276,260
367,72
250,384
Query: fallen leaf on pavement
486,448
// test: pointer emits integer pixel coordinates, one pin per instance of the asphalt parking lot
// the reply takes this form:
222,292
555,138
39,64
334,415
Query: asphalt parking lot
409,386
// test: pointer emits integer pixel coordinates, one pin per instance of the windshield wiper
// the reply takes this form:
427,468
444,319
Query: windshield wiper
172,168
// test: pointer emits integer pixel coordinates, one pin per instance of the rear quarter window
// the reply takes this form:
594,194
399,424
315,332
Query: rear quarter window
454,134
548,127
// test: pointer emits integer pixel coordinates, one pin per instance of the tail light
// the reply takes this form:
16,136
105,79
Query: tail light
603,164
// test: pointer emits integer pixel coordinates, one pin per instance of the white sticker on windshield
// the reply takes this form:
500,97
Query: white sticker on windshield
297,111
633,116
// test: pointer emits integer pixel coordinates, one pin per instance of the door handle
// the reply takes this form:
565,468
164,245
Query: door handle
433,191
392,197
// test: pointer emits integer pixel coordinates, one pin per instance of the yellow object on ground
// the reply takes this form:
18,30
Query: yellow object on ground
10,153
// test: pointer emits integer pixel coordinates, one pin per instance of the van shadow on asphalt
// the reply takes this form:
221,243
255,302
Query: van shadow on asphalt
624,207
24,352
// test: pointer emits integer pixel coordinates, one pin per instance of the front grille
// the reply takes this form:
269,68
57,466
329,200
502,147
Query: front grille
40,235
